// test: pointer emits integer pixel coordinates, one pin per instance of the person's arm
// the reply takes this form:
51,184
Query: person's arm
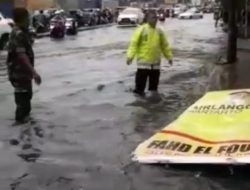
133,47
165,48
23,59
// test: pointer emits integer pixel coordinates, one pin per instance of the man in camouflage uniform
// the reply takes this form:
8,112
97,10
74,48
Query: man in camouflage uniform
21,64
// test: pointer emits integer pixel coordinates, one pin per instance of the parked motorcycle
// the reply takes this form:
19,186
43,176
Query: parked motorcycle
71,26
57,28
162,17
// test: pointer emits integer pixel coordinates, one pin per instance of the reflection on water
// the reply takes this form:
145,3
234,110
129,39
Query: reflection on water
153,112
223,77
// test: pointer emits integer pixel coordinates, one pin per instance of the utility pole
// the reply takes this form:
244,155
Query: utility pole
246,18
232,35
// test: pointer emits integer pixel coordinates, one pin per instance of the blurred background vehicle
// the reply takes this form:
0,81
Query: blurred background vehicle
79,17
161,14
5,29
57,26
193,13
71,26
130,17
208,9
91,16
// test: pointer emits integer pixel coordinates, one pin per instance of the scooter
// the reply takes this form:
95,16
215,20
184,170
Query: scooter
57,29
71,26
162,17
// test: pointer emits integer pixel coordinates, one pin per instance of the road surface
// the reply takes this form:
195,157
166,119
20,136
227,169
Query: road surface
86,122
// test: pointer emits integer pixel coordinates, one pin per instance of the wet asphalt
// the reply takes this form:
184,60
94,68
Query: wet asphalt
86,122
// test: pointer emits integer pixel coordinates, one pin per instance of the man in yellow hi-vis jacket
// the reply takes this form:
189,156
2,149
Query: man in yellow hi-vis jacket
147,46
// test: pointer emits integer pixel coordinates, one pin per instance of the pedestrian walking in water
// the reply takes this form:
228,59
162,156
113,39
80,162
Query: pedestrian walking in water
20,64
216,16
148,44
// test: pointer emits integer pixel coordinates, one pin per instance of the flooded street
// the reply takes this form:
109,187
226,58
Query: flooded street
86,122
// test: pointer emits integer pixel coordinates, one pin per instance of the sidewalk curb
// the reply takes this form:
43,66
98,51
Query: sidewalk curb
46,34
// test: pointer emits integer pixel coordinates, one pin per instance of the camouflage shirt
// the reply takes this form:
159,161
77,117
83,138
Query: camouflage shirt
19,42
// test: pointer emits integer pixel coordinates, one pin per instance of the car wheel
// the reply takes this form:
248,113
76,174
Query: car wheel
4,41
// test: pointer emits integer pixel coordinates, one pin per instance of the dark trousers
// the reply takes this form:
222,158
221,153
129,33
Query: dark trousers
142,75
23,104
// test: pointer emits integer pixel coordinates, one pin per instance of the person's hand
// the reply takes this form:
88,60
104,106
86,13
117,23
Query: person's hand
129,61
37,78
170,62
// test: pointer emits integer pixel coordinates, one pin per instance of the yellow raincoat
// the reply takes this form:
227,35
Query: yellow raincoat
147,45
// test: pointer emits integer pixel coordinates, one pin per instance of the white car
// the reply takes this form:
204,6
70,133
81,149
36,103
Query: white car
130,17
177,11
5,30
191,14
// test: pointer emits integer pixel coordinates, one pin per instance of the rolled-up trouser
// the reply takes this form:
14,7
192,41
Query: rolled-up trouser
23,98
142,75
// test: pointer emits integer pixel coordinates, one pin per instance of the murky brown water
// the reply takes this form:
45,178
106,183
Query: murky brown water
86,122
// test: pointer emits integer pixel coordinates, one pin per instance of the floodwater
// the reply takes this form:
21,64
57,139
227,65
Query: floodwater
86,122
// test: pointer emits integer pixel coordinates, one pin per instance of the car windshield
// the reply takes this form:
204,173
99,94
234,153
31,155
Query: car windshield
130,11
192,10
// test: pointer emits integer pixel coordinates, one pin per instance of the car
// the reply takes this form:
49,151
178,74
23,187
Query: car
130,17
176,11
208,9
90,16
77,15
191,14
5,30
80,17
71,26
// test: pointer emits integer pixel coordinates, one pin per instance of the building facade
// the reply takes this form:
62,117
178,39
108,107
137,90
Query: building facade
68,4
35,4
196,2
88,4
171,2
79,4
